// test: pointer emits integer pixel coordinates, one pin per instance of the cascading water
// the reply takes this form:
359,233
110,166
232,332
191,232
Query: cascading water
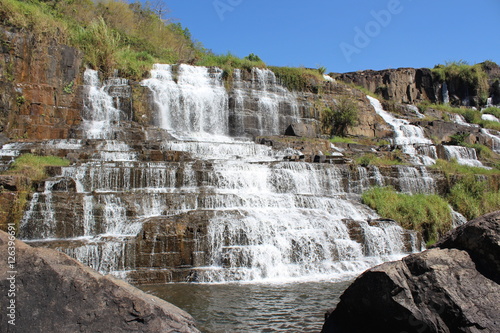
409,137
276,220
445,94
267,219
463,155
194,103
495,139
100,117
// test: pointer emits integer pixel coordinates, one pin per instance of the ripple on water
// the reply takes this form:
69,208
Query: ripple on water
293,307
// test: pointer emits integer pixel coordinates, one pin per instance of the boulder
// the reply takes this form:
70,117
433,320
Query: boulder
450,288
302,130
480,238
54,293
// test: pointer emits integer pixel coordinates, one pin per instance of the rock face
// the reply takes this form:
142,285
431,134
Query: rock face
414,85
404,85
54,293
450,288
39,82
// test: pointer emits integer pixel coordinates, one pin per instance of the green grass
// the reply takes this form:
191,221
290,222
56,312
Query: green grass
34,16
493,110
341,139
453,168
428,214
298,78
228,62
472,76
34,167
472,197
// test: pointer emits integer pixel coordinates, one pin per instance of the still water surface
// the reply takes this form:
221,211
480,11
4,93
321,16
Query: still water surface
236,307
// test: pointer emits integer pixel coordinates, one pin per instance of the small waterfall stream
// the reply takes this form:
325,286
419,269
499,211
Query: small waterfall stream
409,137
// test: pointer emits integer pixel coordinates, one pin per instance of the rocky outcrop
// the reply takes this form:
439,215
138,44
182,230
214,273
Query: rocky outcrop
415,85
402,85
39,82
450,288
54,293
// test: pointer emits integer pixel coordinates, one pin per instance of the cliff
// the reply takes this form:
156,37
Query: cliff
416,85
39,86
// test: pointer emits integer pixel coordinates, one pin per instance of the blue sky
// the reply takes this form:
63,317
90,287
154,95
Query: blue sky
346,35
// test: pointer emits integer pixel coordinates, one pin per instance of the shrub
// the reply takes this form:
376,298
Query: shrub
99,42
253,57
341,118
428,214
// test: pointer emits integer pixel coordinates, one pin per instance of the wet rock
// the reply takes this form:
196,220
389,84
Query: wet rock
451,288
55,293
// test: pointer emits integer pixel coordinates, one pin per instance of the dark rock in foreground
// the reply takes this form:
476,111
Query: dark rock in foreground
54,293
451,288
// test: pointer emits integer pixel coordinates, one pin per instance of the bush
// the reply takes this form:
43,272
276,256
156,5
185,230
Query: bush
341,118
253,57
428,214
100,43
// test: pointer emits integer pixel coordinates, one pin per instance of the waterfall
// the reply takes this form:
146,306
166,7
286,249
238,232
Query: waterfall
489,117
409,137
195,103
463,155
446,94
99,114
257,216
495,139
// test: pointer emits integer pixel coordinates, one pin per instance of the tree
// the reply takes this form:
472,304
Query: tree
343,116
253,57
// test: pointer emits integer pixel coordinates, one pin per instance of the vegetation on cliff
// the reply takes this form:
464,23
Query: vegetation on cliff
130,38
472,78
473,196
112,34
342,117
34,167
429,214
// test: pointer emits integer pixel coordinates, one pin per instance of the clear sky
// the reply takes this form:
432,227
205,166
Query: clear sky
346,35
